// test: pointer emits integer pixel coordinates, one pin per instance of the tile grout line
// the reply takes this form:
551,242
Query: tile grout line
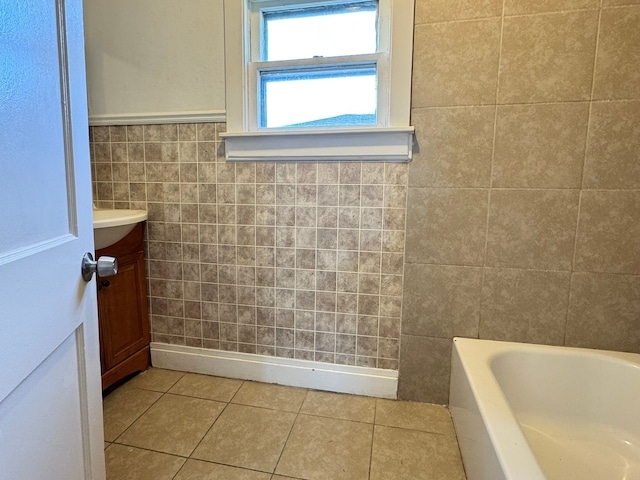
383,229
284,446
373,423
493,157
209,429
197,199
316,269
582,180
139,416
181,220
516,15
373,435
427,432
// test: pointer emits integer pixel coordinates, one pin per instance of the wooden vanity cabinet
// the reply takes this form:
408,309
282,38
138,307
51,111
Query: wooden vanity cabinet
122,311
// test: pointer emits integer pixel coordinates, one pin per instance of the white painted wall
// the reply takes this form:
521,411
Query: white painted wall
154,61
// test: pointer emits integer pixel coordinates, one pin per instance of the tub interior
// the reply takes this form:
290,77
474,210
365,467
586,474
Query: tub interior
579,411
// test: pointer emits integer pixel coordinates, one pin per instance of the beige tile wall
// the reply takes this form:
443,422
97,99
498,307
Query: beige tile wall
523,220
302,261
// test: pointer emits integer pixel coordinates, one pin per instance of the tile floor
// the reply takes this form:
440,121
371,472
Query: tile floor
172,425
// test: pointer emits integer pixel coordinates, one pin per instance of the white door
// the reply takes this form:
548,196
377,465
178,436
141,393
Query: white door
50,398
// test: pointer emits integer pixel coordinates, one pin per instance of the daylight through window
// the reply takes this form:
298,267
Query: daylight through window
316,65
311,80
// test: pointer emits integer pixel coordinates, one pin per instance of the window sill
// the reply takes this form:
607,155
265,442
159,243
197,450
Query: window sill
348,145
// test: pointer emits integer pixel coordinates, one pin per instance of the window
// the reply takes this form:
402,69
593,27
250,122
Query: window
328,76
309,80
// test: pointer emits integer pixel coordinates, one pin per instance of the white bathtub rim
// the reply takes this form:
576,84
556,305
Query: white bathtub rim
515,456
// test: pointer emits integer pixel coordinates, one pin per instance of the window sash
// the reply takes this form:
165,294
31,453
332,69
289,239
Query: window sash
301,11
256,65
255,19
378,61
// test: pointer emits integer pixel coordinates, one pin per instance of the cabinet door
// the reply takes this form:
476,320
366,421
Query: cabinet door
123,311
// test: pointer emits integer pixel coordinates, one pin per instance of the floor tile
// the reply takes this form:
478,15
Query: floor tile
265,395
135,464
174,424
400,454
155,379
258,436
205,386
197,470
327,448
122,407
414,416
335,405
247,437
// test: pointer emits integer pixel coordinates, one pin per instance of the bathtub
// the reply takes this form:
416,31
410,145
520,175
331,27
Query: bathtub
534,412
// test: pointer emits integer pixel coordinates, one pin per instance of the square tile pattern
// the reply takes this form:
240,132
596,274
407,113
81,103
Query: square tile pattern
271,259
182,426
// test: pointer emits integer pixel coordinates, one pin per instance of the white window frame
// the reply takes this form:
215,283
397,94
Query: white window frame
391,139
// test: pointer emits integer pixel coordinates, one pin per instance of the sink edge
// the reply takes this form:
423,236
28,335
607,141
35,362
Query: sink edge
105,218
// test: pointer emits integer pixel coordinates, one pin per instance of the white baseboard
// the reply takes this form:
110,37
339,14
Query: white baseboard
374,382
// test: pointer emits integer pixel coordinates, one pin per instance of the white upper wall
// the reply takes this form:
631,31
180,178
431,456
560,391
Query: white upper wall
154,61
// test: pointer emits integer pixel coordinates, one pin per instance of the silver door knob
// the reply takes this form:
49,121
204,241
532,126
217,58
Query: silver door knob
104,267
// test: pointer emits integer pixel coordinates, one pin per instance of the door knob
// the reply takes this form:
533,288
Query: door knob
104,266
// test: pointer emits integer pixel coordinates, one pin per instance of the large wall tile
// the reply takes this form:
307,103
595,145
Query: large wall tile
524,306
518,7
441,301
547,58
425,368
613,151
431,11
455,147
609,232
617,74
540,146
446,226
604,312
455,63
532,229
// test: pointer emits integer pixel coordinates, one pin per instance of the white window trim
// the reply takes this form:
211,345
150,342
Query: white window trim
391,142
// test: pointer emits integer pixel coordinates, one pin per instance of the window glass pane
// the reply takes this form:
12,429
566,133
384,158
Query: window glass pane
325,31
336,97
